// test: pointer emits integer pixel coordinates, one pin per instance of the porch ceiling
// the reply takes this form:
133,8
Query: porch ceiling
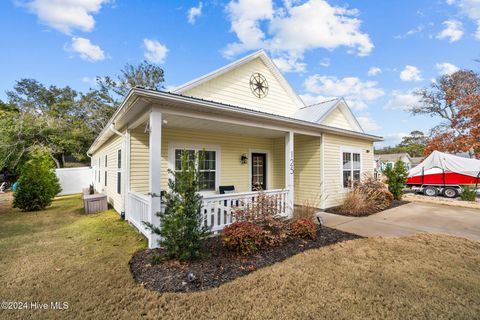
195,124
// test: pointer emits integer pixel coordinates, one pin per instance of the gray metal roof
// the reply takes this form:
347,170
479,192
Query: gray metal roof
315,112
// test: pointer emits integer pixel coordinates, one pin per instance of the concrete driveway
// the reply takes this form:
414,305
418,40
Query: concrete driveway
409,219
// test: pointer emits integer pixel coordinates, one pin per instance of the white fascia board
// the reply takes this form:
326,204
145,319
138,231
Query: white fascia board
135,93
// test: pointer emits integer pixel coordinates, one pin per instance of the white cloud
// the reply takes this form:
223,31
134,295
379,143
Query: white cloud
89,80
194,13
411,32
453,31
471,9
411,73
355,91
65,15
402,101
367,122
245,17
446,68
290,64
391,139
325,62
310,99
373,71
294,28
86,50
155,52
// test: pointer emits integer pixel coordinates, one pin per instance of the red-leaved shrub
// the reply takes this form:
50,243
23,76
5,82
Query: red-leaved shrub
243,237
303,228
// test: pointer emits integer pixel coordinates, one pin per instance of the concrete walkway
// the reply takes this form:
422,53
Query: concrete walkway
409,219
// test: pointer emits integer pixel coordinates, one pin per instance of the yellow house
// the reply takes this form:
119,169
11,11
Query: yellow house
255,131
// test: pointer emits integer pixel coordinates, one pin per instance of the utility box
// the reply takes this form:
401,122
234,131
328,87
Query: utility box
93,203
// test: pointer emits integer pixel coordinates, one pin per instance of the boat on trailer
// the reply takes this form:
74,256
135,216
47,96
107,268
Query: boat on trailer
444,174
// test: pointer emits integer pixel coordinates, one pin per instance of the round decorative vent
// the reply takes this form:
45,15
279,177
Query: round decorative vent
258,85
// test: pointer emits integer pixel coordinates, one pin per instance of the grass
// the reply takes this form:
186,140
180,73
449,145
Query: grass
61,254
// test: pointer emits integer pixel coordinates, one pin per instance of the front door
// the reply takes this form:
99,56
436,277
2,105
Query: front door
259,171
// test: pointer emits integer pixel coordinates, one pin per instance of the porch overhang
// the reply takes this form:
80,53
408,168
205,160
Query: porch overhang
138,101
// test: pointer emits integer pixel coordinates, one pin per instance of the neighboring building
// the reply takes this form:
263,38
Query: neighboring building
388,160
255,132
415,161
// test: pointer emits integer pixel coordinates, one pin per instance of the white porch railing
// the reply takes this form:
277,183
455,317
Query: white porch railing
217,209
138,210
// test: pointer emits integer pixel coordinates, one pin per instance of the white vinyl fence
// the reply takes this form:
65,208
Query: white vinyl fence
73,180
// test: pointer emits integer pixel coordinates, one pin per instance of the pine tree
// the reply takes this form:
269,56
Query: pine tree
181,231
396,178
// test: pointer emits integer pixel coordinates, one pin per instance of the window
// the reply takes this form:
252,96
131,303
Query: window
106,163
119,171
207,167
105,178
99,174
351,168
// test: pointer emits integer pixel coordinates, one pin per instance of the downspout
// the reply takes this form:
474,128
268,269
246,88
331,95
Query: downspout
112,128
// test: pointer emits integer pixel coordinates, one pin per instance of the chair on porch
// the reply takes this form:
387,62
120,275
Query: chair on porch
226,190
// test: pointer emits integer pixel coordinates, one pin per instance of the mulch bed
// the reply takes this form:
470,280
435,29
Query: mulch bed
221,265
336,210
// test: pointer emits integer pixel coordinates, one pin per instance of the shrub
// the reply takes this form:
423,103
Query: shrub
303,228
469,193
181,231
367,196
37,184
396,178
244,237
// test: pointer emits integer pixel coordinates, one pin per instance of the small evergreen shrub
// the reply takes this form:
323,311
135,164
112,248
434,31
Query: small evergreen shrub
181,231
396,178
37,184
469,193
243,237
303,228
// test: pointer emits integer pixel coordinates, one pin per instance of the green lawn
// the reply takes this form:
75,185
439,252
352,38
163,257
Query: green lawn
61,254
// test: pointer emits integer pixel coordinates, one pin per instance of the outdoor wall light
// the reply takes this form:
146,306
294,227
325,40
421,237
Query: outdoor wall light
244,159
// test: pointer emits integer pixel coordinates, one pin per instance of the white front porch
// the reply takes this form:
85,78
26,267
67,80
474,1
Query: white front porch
151,147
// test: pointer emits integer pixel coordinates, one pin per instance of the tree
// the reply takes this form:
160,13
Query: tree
181,229
40,117
60,120
37,185
453,98
104,100
414,144
396,178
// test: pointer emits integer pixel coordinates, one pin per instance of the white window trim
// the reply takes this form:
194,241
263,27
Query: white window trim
198,147
346,149
269,167
119,170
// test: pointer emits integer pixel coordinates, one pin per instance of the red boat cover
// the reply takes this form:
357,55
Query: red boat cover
448,163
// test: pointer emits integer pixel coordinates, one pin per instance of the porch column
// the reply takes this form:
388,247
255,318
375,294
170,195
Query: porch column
155,159
289,170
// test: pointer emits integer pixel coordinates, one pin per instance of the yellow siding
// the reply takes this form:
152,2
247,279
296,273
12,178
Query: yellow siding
333,145
307,170
139,159
110,149
279,163
233,87
337,119
232,172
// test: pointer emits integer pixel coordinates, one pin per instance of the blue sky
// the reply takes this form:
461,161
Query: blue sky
325,48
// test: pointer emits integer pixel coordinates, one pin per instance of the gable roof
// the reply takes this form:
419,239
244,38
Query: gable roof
318,112
262,55
392,156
